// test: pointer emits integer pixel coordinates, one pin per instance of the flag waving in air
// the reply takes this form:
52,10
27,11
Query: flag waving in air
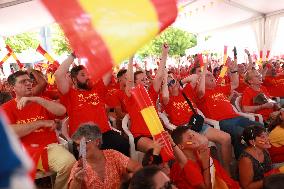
108,31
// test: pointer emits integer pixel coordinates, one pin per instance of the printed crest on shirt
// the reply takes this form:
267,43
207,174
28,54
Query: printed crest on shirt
92,99
29,120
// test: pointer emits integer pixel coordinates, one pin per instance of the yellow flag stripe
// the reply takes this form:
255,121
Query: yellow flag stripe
141,26
152,120
48,57
223,71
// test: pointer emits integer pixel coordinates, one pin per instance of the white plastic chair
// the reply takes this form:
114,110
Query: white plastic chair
251,116
171,126
125,126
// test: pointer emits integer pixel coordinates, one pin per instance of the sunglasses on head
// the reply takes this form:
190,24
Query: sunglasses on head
171,82
167,185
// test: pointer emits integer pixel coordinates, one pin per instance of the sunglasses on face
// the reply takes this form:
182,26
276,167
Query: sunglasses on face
171,82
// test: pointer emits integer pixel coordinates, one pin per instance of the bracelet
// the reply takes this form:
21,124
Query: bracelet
234,71
208,167
73,55
174,145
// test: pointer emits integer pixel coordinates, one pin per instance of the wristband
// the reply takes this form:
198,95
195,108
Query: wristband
174,145
234,71
208,167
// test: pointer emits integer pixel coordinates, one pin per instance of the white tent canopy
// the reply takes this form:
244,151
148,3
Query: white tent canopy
207,17
197,16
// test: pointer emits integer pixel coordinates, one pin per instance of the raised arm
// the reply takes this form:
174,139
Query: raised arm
250,65
165,89
41,82
201,83
157,82
60,75
234,76
130,77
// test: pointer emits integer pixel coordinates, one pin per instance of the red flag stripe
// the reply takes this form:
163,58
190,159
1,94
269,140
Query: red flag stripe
73,8
158,4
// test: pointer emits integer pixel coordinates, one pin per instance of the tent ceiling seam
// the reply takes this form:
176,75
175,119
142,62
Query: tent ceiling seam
12,3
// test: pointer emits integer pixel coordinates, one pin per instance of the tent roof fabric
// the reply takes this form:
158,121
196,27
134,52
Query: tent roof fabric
17,16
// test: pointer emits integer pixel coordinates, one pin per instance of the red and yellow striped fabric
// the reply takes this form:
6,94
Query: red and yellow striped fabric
152,120
14,56
46,55
225,67
5,58
260,57
108,31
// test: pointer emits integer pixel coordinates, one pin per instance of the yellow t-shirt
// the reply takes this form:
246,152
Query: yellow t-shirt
276,136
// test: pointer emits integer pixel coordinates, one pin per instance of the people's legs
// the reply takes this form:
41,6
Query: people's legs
60,161
144,144
231,126
224,140
113,140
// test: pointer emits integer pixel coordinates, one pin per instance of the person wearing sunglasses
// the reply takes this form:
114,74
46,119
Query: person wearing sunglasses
179,113
101,169
142,136
151,177
33,120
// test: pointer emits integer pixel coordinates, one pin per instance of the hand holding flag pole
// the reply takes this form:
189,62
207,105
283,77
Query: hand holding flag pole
152,120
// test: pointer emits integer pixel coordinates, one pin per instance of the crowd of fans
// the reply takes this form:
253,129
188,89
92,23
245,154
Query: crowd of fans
76,107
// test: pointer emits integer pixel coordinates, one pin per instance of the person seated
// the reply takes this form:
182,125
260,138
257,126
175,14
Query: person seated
84,101
198,171
150,177
32,119
255,98
214,103
142,136
179,113
276,136
100,169
255,163
273,81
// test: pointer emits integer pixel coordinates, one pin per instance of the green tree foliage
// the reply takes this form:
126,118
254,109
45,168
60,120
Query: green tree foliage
23,41
177,39
59,42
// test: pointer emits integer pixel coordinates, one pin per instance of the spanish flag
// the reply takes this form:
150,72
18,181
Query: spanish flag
152,120
105,32
260,57
225,67
14,56
46,55
5,58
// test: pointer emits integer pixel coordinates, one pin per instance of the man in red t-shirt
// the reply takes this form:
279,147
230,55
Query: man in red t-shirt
139,129
32,119
179,113
214,103
273,81
85,103
196,172
255,88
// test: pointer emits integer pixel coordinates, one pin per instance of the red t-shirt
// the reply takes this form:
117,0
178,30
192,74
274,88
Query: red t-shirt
178,110
216,105
274,85
138,126
242,85
86,106
247,100
30,113
187,178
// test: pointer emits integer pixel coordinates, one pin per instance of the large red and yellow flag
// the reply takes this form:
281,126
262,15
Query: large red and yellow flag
108,31
152,120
